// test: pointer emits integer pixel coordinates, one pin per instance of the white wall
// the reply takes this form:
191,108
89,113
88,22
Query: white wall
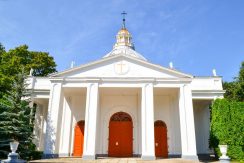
73,111
40,123
78,113
65,128
166,109
206,83
110,104
202,123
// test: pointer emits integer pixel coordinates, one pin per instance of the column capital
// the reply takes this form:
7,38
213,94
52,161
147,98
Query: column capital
92,84
147,84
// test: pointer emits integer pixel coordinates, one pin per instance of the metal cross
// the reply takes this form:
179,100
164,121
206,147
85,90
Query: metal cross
123,13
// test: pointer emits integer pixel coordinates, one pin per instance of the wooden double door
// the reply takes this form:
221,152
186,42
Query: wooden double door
160,135
120,135
79,138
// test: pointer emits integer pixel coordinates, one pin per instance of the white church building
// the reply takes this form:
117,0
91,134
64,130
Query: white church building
123,106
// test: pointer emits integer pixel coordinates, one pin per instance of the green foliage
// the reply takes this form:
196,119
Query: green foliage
16,117
227,127
12,61
2,50
235,89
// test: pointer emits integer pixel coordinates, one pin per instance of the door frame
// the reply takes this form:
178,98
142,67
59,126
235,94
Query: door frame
104,139
82,122
120,117
163,124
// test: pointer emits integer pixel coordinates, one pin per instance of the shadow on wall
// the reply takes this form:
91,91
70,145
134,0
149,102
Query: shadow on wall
49,146
37,127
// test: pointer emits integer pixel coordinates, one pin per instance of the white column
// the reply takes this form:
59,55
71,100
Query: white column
89,148
53,118
31,85
66,129
187,127
147,123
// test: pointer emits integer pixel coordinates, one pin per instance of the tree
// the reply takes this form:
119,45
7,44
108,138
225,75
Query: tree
12,61
235,89
240,81
16,117
2,50
227,118
15,114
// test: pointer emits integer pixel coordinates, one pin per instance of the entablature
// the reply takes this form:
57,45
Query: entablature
207,94
202,87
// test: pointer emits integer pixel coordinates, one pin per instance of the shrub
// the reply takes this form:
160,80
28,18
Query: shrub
227,127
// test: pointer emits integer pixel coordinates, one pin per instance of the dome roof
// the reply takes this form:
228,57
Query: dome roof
123,31
124,50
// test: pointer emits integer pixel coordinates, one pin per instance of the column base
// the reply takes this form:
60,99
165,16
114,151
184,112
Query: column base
89,157
64,155
148,157
47,156
224,160
174,155
190,157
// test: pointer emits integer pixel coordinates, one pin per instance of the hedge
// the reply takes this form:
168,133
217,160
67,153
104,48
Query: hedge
227,127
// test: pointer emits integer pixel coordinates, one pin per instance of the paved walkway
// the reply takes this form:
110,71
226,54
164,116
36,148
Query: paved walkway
116,160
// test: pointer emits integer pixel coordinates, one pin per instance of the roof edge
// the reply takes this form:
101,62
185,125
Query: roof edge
117,56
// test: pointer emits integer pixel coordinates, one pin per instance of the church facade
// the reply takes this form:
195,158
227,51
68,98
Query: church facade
123,106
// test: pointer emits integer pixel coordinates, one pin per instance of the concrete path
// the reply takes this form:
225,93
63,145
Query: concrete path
115,160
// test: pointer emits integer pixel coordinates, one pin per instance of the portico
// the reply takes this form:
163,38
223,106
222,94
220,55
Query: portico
151,107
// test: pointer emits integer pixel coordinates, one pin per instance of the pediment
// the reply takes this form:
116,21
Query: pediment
121,66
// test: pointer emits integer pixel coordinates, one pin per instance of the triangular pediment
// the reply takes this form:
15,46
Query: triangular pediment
121,66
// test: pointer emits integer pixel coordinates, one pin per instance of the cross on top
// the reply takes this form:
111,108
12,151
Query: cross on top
123,13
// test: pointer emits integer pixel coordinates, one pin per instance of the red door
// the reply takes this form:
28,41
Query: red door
160,134
79,139
120,135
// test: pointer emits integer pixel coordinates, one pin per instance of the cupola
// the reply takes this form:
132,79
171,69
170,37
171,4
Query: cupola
123,37
124,45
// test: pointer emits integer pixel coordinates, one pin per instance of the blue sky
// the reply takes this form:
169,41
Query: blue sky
196,35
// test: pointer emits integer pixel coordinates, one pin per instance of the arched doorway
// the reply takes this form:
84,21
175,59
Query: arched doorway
79,138
160,134
120,135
